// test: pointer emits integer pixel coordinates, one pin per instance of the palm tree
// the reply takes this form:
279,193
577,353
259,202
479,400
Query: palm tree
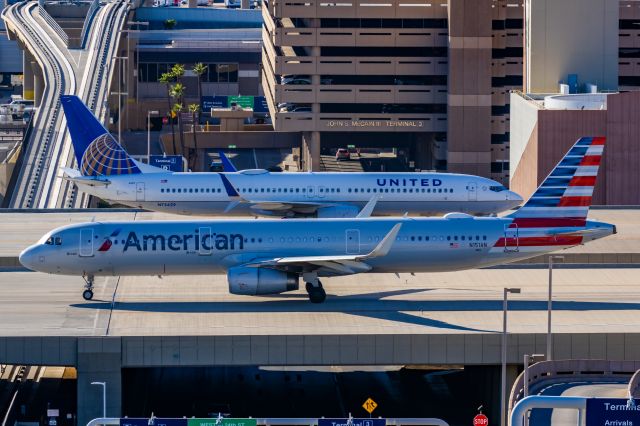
194,109
166,79
177,109
199,69
169,24
178,71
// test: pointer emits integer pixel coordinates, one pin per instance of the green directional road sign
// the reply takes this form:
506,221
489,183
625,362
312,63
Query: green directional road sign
243,101
223,422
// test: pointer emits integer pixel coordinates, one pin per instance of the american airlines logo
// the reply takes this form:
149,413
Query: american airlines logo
409,182
183,242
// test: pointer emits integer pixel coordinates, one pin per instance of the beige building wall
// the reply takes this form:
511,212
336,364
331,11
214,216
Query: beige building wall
571,37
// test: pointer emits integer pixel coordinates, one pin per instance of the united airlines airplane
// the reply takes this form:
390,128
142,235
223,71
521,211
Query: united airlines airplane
108,172
270,256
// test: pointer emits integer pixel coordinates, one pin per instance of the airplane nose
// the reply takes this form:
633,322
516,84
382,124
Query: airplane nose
514,196
28,258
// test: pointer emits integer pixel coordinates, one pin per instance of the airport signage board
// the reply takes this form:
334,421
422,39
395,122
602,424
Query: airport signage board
157,421
612,411
223,422
209,102
167,162
242,101
354,422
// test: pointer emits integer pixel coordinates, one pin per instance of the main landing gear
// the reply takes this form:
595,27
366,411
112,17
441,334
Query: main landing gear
316,292
87,294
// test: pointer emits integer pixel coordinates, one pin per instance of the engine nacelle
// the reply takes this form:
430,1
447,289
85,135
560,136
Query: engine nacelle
339,211
253,281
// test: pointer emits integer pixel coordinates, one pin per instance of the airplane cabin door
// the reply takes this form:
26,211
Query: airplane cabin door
352,237
206,242
140,191
511,238
472,190
86,243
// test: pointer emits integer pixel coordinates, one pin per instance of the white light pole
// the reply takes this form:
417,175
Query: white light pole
120,96
104,397
550,307
503,387
149,114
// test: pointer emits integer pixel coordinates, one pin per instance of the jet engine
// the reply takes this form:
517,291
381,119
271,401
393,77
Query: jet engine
253,281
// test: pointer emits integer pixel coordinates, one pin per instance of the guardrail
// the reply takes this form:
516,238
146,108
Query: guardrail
95,5
52,22
555,371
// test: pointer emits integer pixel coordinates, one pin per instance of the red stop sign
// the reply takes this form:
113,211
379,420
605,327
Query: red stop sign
480,420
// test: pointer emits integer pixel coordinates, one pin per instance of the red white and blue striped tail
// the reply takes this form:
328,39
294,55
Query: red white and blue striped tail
566,193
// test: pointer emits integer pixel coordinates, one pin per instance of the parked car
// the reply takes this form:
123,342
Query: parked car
343,154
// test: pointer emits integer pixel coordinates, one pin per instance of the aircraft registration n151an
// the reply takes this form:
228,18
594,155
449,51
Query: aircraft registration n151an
108,172
270,256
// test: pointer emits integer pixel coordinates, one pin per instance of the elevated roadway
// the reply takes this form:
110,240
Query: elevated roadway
84,73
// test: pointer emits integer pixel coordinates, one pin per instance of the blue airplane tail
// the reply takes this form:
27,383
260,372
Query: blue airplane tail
97,152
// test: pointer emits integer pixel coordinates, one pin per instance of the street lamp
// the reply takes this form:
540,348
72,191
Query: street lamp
503,387
120,96
550,306
149,114
528,359
104,397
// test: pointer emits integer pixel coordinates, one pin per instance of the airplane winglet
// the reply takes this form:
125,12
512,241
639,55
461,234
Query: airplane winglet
231,191
384,246
368,208
227,165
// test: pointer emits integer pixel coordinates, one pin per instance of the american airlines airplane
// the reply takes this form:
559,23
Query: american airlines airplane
270,256
108,172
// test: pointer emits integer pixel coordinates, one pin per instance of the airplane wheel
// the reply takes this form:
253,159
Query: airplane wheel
87,295
309,287
317,295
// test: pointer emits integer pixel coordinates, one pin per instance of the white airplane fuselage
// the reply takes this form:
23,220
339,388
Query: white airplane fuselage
321,194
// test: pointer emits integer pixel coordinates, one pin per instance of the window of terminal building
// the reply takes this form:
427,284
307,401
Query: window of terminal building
216,73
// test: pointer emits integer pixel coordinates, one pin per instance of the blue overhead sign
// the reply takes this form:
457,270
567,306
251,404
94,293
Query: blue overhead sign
610,412
171,163
208,102
156,422
260,104
354,422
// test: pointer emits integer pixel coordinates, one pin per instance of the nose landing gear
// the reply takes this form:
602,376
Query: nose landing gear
87,294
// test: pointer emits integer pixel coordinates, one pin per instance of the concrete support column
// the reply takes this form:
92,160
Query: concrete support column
99,360
311,151
512,375
27,75
38,84
469,100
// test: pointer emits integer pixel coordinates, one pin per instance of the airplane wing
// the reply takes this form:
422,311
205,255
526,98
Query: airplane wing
331,265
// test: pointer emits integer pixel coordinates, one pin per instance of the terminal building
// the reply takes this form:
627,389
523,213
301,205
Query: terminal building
428,77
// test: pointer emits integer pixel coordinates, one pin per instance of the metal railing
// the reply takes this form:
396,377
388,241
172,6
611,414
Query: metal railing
95,5
52,23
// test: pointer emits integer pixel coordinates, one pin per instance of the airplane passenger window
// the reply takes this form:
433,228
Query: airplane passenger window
261,189
448,237
484,237
268,189
196,190
253,240
161,189
219,189
419,237
477,237
297,189
285,190
282,239
455,238
338,190
368,189
404,189
413,238
451,190
355,190
190,189
179,190
462,238
259,240
426,238
279,189
349,190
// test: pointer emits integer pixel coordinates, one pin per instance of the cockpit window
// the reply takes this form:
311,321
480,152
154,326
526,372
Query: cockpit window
57,241
497,188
